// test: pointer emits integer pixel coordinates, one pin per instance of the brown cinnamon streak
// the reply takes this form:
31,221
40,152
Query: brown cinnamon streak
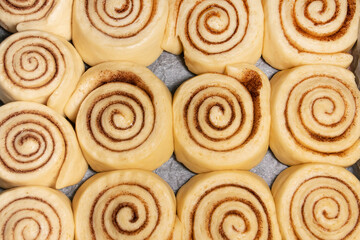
252,82
232,212
123,77
294,228
48,118
124,205
34,210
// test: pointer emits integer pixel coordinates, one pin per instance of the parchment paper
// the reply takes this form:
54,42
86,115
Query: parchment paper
171,69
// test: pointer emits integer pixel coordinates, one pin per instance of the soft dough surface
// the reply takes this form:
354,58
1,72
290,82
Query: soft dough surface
215,33
38,147
124,117
222,121
35,213
227,205
125,204
315,116
39,67
52,16
299,32
317,201
110,30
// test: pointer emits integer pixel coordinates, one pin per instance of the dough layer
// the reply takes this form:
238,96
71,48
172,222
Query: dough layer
317,201
125,117
38,67
125,204
315,116
38,147
227,205
222,121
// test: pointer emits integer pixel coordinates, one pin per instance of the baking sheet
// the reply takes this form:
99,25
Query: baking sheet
172,70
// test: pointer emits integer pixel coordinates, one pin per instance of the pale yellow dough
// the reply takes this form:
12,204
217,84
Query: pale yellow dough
125,117
177,233
215,33
315,116
38,147
119,30
309,32
125,204
227,205
222,121
38,67
52,16
317,201
35,213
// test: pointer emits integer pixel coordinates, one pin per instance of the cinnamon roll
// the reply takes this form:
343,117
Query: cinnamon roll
38,147
125,117
315,116
300,32
227,205
35,213
39,67
46,15
222,121
317,201
109,30
215,33
125,204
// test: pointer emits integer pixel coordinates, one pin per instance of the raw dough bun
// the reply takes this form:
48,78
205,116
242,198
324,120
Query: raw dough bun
125,204
222,121
52,16
315,116
129,31
38,67
35,213
125,117
215,33
227,205
38,147
317,201
301,32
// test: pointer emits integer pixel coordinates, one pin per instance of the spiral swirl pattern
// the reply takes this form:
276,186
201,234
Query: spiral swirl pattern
34,9
310,28
37,66
320,114
218,115
323,204
35,213
35,144
202,113
46,15
227,208
122,117
120,21
38,61
218,31
219,38
117,120
127,205
311,20
135,24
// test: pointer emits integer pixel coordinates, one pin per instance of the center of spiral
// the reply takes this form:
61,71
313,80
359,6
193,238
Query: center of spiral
27,144
216,21
122,119
327,208
216,116
324,105
122,6
27,228
125,217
